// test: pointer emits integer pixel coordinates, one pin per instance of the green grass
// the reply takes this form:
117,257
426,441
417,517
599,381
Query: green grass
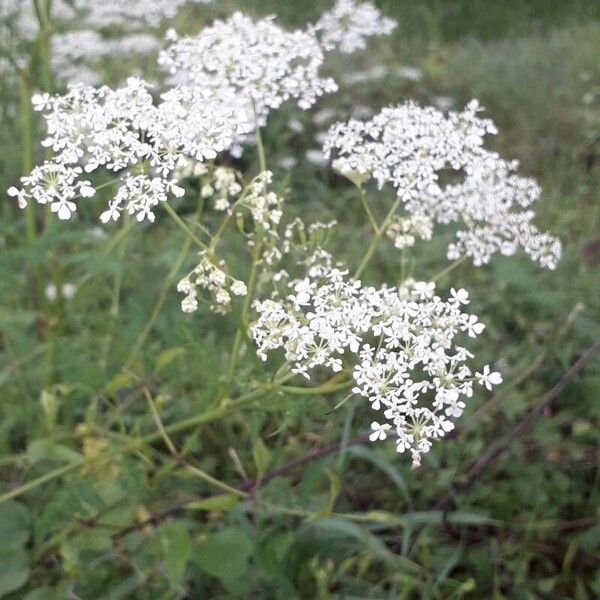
526,528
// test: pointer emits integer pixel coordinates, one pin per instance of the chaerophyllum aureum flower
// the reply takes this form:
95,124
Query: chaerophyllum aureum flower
348,24
402,348
401,344
86,34
413,148
258,63
125,133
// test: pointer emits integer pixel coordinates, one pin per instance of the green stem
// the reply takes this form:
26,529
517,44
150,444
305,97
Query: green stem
223,409
259,141
376,238
203,475
162,296
365,203
27,151
315,391
44,44
115,298
450,268
261,150
240,336
181,224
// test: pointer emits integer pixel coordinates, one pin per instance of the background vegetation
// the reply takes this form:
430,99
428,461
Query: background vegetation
506,509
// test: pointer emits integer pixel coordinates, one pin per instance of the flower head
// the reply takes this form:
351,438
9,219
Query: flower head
414,376
256,64
416,149
123,131
347,25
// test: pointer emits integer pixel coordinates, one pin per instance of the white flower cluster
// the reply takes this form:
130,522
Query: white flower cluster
124,132
404,231
347,25
265,209
87,33
224,184
77,54
408,145
257,63
116,13
265,206
210,275
408,365
494,203
413,147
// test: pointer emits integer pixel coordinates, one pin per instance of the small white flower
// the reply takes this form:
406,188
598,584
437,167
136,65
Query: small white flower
379,431
459,296
472,326
51,292
20,195
488,378
239,288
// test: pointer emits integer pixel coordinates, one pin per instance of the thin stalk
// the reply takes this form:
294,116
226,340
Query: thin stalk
226,407
450,268
113,242
27,151
44,45
376,239
115,305
162,295
203,475
316,391
239,336
259,141
181,224
365,203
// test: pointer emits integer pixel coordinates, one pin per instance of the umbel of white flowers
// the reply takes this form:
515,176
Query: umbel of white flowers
409,146
257,62
87,33
124,132
400,343
401,340
232,75
348,24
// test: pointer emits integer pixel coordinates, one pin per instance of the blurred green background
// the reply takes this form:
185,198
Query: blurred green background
355,522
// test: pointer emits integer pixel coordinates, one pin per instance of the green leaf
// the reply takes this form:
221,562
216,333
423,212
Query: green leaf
14,569
177,547
47,449
435,517
220,502
383,465
261,455
335,486
15,521
120,381
167,357
224,554
44,593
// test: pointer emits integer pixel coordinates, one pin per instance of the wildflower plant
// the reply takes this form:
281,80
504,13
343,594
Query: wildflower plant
400,347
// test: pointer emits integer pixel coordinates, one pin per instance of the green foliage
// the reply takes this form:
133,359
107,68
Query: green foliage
128,517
